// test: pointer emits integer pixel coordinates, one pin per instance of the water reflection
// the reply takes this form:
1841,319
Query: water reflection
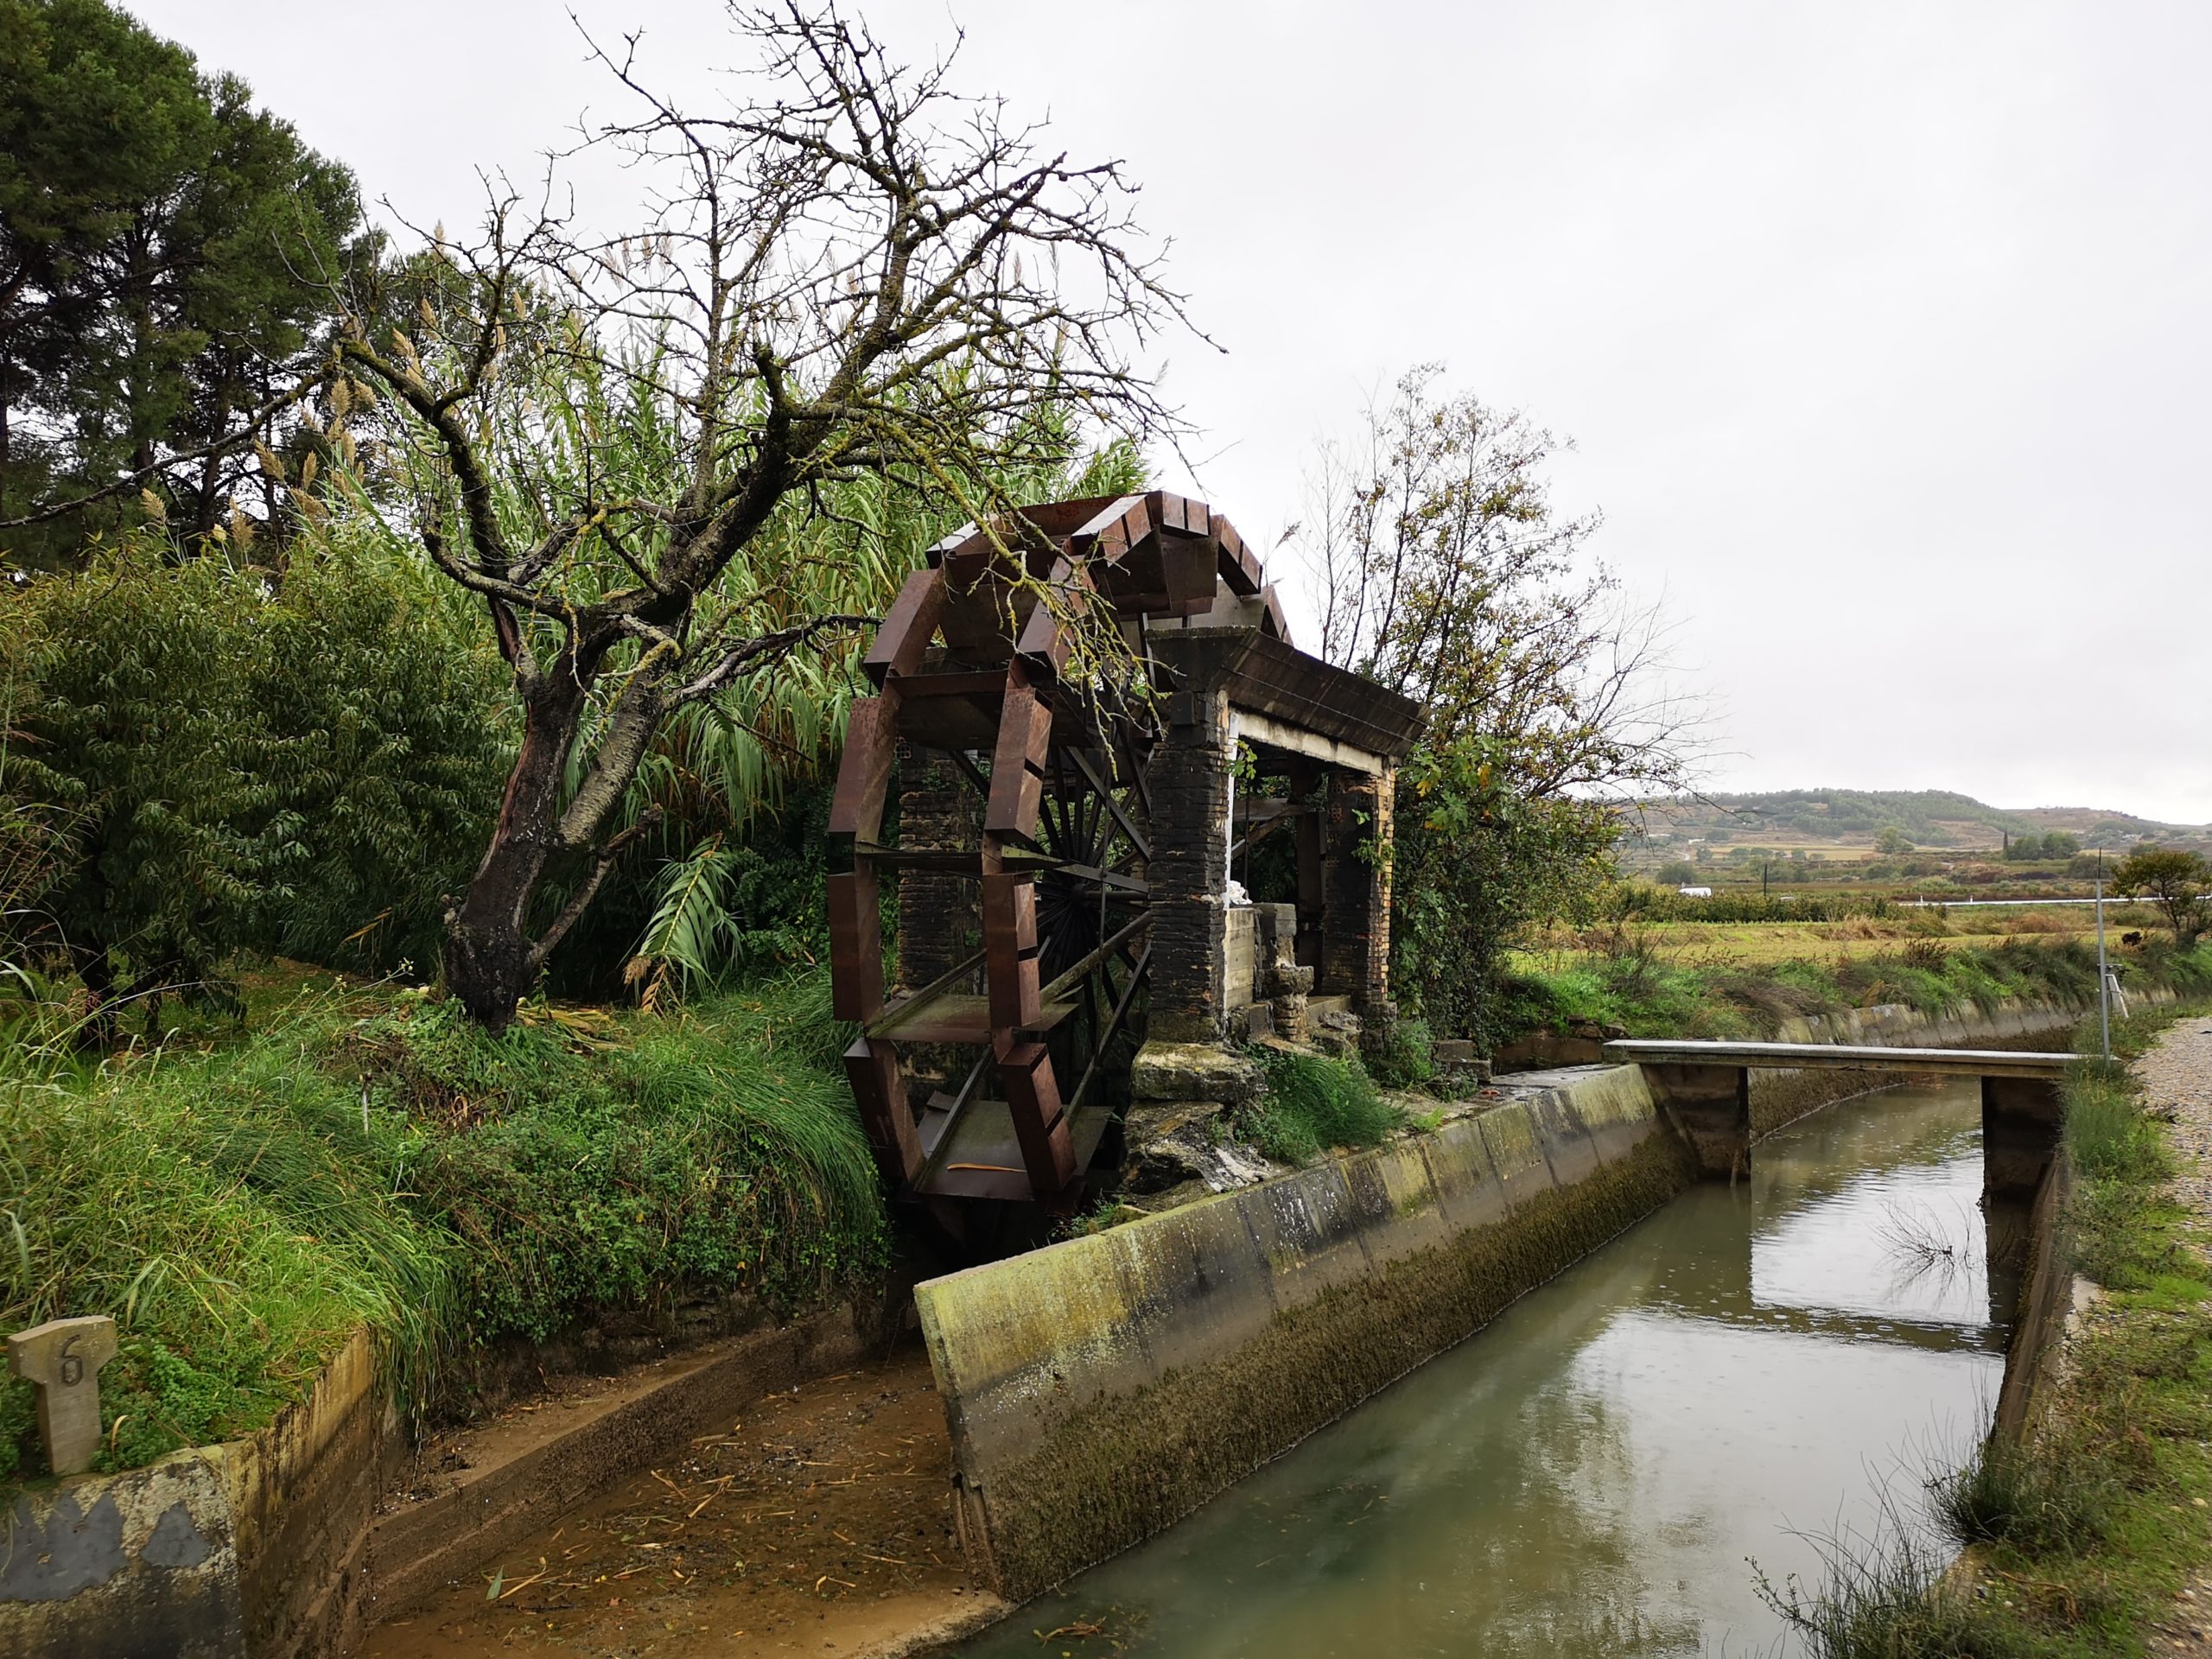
1588,1476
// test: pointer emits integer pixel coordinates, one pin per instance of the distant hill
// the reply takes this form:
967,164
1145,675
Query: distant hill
1928,818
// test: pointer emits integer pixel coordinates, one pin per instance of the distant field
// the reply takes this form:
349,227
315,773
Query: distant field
1833,871
1714,944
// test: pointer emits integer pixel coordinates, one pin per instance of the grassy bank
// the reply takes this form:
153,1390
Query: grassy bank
372,1159
1645,984
2083,1536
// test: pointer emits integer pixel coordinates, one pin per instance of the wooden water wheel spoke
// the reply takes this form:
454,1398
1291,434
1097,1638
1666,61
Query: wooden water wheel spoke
1123,1005
1102,792
972,775
1054,879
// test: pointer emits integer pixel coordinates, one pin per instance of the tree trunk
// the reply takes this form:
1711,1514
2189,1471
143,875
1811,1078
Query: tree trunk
96,969
488,947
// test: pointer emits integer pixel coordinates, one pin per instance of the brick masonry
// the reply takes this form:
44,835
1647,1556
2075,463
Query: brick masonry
1190,852
1356,886
939,924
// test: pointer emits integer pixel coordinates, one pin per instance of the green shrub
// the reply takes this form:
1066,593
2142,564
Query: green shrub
1474,862
131,733
385,742
1397,1055
223,757
1313,1104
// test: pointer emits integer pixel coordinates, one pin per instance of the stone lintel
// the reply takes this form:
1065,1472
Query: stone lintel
1294,739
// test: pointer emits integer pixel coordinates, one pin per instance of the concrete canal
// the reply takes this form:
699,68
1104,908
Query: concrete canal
1748,1369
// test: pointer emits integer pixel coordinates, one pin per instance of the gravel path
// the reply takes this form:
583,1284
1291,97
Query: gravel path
2177,1081
2177,1078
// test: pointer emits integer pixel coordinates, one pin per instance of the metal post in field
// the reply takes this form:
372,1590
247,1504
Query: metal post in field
2104,978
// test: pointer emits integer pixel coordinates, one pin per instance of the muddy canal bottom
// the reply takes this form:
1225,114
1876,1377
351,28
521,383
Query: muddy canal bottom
1597,1471
814,1523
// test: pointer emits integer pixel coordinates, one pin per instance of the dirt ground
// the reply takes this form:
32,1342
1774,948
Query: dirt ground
817,1522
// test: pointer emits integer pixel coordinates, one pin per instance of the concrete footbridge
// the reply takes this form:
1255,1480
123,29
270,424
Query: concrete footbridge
1704,1088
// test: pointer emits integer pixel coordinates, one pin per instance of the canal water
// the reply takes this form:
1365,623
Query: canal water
1605,1468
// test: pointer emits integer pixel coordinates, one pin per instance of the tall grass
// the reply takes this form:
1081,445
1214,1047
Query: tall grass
1313,1104
1884,1598
2054,1496
225,1214
240,1212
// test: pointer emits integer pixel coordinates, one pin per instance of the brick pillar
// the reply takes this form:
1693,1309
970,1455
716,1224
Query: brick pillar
1307,780
939,922
1356,890
1190,852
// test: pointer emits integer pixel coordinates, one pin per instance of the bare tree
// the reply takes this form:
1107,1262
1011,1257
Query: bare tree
1446,576
850,270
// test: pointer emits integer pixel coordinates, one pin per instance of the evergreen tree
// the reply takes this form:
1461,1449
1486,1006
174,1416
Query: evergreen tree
168,257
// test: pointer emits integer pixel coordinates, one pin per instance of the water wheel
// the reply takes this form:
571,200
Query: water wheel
997,1077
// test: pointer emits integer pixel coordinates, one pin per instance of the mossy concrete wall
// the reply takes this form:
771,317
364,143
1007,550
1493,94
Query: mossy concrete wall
1779,1097
253,1547
304,1492
1099,1390
2047,1290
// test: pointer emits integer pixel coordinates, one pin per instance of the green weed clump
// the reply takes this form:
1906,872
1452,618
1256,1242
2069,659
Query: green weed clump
1398,1055
1313,1104
241,1212
2055,1496
1885,1600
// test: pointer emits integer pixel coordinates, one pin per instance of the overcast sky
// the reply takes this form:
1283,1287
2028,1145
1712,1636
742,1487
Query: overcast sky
1882,329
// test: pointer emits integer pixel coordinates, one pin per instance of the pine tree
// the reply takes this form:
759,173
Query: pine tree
168,254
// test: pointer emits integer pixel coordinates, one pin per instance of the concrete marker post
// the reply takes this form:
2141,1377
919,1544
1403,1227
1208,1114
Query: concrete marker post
62,1358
